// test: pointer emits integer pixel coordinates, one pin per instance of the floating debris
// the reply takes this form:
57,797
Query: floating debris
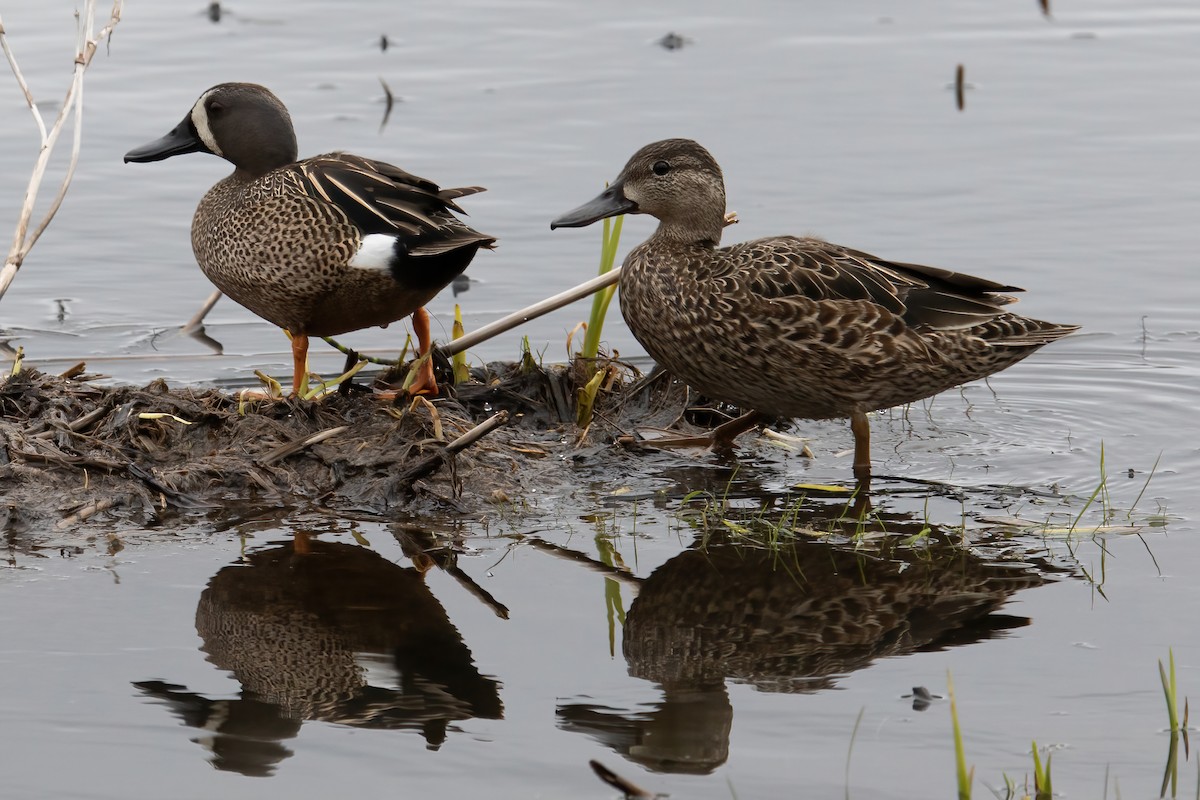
960,85
214,11
673,41
632,790
922,698
383,43
1045,6
390,99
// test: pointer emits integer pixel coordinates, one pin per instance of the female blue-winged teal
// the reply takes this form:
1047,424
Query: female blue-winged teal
322,246
789,326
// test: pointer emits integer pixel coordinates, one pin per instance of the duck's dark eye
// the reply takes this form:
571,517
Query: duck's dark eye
661,168
215,107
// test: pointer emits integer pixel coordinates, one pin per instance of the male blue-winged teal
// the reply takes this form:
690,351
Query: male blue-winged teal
795,327
322,246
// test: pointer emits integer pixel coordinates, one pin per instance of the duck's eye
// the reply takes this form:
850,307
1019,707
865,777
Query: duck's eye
661,168
215,107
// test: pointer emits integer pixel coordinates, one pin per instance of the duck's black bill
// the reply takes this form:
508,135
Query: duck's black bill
182,139
609,203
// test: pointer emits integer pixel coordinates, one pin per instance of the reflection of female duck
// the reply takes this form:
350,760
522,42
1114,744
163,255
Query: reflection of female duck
782,620
786,621
338,634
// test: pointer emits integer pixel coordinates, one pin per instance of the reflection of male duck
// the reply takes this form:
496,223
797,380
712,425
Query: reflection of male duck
787,620
337,634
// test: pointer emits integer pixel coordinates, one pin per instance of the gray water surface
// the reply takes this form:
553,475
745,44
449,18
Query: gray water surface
1072,173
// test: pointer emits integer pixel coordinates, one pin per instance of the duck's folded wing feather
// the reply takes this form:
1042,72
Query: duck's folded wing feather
380,197
924,297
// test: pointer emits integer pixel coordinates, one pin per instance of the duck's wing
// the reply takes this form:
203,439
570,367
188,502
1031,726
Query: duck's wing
382,198
928,298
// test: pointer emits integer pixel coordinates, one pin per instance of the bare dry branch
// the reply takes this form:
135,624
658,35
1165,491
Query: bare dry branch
72,108
12,62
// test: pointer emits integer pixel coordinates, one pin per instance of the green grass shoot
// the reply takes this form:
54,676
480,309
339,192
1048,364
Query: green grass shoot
1176,726
1170,691
527,362
586,395
459,360
585,400
1041,775
610,240
964,776
1101,493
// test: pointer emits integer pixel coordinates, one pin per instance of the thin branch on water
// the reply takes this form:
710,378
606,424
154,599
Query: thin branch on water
72,108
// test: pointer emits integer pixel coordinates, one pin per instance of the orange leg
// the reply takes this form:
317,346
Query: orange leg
861,428
425,383
299,363
301,543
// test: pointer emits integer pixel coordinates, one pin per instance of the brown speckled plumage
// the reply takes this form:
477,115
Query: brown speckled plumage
790,326
278,235
282,250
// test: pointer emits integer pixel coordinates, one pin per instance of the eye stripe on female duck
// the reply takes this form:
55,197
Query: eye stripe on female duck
795,327
322,246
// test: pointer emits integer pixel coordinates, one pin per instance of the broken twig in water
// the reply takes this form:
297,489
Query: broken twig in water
631,790
72,107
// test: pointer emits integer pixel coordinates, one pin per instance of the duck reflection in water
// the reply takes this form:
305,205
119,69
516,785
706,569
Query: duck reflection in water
331,632
790,620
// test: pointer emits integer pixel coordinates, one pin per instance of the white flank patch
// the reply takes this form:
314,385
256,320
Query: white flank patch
200,120
375,252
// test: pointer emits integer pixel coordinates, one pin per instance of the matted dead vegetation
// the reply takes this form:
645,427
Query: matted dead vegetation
72,449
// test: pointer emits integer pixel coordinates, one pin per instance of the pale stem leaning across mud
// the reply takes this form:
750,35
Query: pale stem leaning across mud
85,48
532,312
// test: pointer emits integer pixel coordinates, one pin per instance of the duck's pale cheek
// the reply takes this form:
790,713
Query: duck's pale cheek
377,251
203,129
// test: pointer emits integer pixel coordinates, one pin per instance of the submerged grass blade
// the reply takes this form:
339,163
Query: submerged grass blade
850,750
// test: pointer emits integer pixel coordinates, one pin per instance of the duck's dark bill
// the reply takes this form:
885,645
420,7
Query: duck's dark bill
611,202
182,139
